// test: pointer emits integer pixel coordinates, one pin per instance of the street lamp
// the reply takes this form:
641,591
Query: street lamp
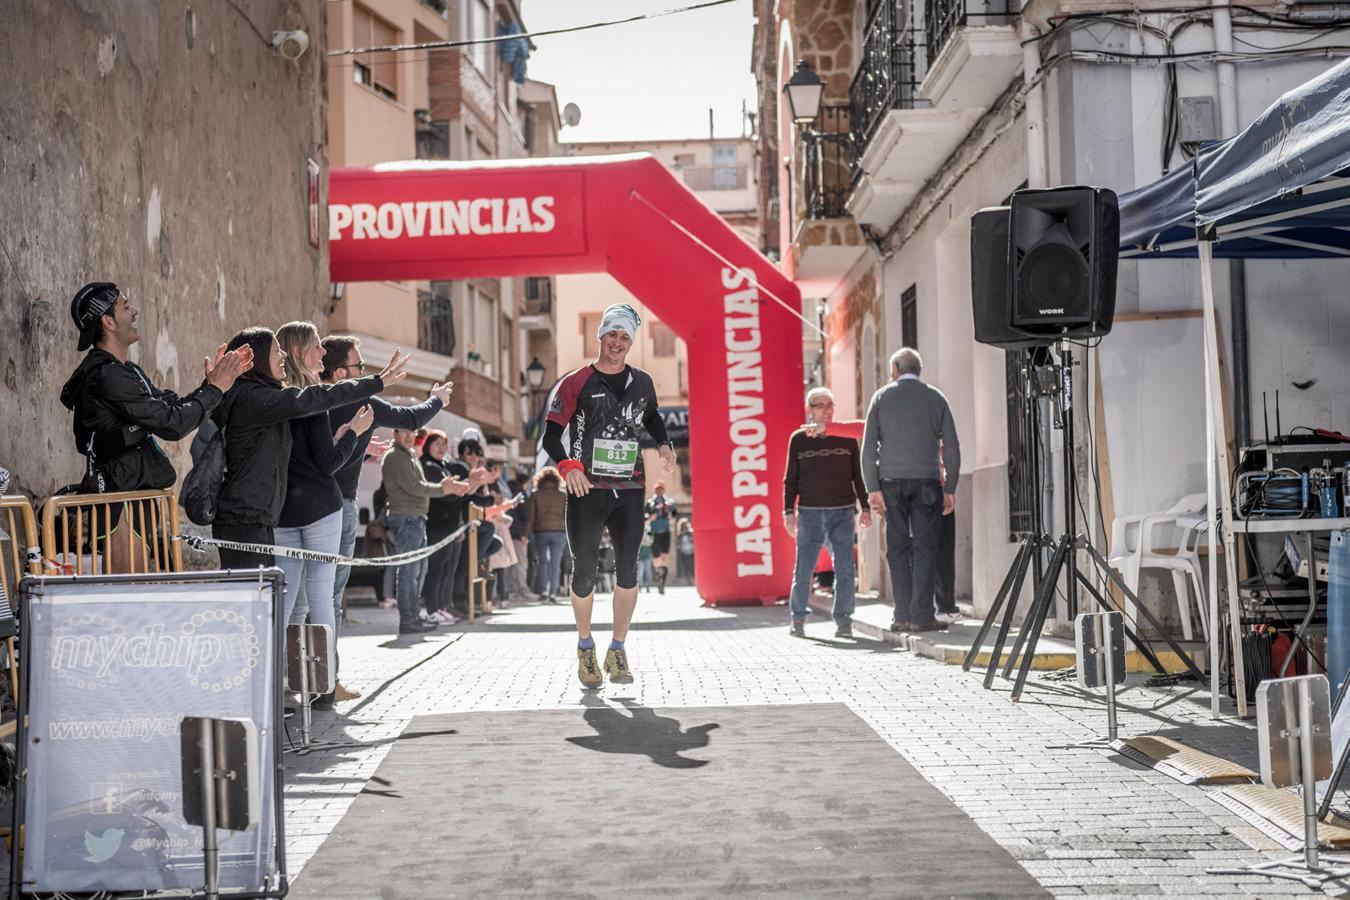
534,374
804,91
534,377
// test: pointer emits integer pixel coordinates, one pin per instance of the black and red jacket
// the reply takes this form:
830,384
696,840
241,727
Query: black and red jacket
585,410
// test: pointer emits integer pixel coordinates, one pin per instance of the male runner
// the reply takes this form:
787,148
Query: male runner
592,437
661,514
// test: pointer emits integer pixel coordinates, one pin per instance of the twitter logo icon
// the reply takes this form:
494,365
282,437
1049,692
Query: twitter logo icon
103,847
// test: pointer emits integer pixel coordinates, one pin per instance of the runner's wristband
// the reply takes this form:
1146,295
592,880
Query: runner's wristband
570,465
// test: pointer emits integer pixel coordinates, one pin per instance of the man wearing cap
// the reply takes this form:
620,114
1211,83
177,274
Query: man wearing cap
118,413
592,437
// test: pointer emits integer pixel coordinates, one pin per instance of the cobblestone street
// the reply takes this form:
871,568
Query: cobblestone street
1082,822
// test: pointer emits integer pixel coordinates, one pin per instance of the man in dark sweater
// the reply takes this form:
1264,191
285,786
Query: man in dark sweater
909,442
341,360
822,491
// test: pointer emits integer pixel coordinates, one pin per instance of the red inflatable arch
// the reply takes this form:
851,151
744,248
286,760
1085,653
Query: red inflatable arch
628,216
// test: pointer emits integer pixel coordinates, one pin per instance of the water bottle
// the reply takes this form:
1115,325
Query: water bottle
1327,490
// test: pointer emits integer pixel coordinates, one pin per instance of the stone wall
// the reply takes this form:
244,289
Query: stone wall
162,145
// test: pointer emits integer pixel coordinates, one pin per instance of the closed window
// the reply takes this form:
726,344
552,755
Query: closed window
377,71
483,328
480,27
590,322
909,317
663,340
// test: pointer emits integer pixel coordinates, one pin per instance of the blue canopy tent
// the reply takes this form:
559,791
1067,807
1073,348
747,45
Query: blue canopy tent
1280,189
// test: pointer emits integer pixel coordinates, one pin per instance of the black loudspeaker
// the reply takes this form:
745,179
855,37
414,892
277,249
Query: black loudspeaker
1064,245
991,281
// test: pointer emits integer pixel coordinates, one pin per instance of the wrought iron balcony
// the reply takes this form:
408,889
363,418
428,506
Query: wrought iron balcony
433,137
891,68
944,17
538,296
829,164
435,323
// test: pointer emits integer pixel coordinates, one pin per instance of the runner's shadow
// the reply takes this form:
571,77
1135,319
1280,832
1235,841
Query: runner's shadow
643,733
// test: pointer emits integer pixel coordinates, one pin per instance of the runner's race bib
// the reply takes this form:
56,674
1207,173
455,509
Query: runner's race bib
613,459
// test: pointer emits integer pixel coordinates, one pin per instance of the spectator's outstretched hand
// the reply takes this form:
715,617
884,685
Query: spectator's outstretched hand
395,371
379,447
442,392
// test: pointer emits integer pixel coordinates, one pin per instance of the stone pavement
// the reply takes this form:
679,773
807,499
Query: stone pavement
1083,822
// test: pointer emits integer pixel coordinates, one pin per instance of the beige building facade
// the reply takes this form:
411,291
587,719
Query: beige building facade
469,103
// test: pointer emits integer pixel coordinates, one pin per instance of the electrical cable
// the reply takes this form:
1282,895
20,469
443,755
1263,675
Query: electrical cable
449,45
243,15
1279,611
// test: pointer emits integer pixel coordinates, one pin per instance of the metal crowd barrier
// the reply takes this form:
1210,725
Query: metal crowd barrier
76,535
19,554
478,583
18,545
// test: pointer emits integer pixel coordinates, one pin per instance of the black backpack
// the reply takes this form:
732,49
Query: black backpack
201,488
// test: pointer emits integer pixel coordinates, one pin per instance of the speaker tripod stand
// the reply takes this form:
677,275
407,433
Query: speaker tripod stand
1055,381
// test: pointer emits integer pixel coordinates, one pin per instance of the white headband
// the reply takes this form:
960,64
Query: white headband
619,317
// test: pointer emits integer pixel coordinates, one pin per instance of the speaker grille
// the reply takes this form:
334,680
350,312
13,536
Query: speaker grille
1053,281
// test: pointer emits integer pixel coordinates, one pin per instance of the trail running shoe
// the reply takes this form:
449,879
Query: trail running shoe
588,668
616,667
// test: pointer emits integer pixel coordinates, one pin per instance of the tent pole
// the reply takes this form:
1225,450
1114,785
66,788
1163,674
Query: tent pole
1217,456
1211,493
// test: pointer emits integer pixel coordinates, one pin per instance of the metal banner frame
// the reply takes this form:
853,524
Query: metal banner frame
33,586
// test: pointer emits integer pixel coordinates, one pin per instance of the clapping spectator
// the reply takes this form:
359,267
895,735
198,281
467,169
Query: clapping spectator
444,515
410,494
255,416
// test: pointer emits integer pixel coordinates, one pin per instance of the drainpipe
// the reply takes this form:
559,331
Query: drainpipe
1037,168
1237,272
1038,176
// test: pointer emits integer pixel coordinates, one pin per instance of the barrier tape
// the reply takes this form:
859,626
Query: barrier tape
199,543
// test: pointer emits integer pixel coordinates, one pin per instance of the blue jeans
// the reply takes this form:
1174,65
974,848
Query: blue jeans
308,581
913,514
407,533
548,569
818,527
346,547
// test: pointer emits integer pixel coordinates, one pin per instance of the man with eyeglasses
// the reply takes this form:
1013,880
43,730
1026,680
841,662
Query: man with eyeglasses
822,493
342,360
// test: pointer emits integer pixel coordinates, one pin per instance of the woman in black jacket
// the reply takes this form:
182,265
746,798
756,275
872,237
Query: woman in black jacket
255,415
444,515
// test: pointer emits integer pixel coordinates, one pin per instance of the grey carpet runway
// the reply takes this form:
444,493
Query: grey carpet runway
798,801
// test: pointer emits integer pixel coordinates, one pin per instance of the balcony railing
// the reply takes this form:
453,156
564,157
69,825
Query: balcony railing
433,139
435,323
829,164
716,178
538,296
892,67
945,16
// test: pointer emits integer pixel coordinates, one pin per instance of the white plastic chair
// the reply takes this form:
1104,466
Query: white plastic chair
1164,540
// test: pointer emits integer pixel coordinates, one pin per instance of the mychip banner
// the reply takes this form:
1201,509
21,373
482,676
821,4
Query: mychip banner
112,670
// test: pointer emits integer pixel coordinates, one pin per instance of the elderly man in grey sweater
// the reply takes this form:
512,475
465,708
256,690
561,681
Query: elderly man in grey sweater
909,440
